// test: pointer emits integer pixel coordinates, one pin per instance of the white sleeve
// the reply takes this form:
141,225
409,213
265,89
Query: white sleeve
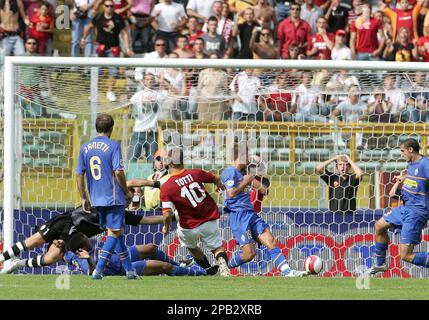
192,4
138,74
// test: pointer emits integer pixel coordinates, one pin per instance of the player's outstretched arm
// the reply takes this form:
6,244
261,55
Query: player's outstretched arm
258,186
143,183
152,220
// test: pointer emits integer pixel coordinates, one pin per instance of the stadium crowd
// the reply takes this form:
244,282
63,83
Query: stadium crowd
251,29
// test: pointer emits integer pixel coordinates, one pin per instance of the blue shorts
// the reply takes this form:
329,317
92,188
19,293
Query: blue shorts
112,217
246,226
134,253
411,221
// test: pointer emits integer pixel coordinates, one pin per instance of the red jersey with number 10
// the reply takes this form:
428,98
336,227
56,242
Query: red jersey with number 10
185,191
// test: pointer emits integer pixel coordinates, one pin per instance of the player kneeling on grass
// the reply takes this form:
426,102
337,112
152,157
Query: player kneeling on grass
411,217
245,224
57,232
198,212
146,259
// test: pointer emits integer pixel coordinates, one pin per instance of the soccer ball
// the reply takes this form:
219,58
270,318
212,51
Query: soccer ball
313,264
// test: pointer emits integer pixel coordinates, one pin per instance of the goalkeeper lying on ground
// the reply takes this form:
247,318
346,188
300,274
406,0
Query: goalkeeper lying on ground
84,259
58,232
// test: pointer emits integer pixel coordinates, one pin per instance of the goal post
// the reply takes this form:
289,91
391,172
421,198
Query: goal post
291,148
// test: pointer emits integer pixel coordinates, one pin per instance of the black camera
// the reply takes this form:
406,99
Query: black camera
80,14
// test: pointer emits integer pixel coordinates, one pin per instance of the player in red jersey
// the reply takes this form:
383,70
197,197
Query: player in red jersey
198,212
257,169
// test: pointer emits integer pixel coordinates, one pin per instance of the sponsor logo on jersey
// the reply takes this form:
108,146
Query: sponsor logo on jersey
410,183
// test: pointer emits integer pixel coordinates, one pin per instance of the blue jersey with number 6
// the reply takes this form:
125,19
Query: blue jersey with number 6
99,159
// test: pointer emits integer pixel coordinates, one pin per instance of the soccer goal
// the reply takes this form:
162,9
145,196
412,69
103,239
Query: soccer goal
291,114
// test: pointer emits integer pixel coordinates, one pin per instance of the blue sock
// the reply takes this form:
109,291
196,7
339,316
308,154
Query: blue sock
421,259
380,253
279,260
180,271
236,260
162,256
122,251
139,266
106,253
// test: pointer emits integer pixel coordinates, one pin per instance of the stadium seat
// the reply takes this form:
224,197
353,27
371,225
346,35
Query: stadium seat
374,155
393,166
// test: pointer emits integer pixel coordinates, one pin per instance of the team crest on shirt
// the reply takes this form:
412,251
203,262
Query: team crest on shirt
243,237
230,183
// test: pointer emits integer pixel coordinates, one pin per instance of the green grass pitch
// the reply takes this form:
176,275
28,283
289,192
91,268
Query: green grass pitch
209,288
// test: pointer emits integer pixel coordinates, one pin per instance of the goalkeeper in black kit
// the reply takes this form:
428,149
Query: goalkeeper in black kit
57,232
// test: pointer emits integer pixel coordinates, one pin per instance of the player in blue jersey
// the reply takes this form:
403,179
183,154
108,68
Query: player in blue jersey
100,160
246,226
146,260
411,217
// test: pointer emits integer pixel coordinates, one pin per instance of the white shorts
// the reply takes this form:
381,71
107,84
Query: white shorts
208,233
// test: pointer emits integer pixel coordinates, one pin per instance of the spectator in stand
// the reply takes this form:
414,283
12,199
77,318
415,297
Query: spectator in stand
265,15
293,53
10,12
238,6
145,106
227,29
211,93
423,48
282,9
109,26
245,87
182,47
403,16
170,17
293,30
351,111
244,31
354,13
202,10
321,43
194,31
379,110
421,18
173,80
363,39
324,4
42,28
385,22
141,30
81,14
199,49
159,53
225,26
214,43
340,51
396,97
277,102
337,16
266,48
418,99
32,7
310,13
402,50
309,102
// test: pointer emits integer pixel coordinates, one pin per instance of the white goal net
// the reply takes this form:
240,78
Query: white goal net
292,114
